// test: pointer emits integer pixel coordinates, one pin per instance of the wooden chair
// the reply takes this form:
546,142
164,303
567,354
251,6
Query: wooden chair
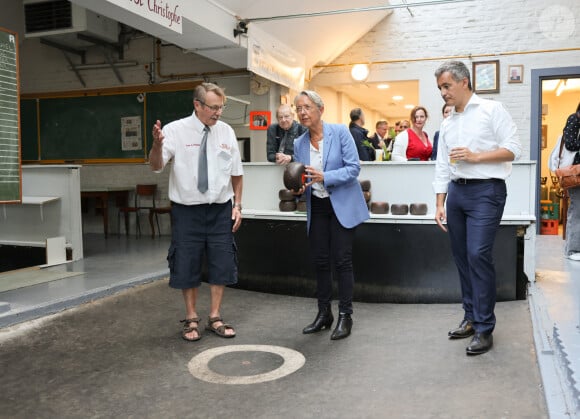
154,212
144,200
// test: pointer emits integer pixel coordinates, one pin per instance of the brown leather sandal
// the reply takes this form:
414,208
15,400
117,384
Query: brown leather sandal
220,330
188,328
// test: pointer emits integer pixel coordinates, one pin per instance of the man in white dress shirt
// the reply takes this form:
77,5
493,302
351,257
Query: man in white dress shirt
478,142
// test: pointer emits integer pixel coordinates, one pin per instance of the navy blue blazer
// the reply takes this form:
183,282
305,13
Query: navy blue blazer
341,167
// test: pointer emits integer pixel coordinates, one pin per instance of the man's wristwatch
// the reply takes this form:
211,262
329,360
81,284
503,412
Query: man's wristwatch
238,206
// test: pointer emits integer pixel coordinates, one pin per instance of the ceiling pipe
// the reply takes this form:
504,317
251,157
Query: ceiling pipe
443,58
353,10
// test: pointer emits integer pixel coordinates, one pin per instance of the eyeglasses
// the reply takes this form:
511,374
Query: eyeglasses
214,108
306,108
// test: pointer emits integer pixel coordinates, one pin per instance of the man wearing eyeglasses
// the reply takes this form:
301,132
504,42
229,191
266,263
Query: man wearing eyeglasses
280,136
205,189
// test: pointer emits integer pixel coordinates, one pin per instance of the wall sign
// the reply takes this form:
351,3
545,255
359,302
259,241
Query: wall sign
10,172
260,120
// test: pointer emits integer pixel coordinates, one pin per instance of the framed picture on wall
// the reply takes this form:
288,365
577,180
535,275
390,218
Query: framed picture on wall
260,120
486,76
515,73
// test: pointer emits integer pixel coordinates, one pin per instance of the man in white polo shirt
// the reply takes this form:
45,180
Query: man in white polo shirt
205,189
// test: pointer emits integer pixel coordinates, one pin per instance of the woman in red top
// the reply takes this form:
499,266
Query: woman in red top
413,143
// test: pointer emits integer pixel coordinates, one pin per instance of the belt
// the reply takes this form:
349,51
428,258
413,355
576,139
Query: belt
463,181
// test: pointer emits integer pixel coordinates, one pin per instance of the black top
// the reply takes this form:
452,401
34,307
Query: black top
360,135
571,135
280,141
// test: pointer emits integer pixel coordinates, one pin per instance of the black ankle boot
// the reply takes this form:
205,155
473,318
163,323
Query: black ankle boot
343,326
323,320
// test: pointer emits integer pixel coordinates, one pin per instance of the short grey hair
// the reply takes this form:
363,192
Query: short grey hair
313,96
457,69
200,92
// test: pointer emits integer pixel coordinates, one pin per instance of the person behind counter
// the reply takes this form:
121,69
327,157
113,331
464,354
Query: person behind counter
280,137
477,144
571,138
446,111
357,120
381,136
413,143
335,207
202,187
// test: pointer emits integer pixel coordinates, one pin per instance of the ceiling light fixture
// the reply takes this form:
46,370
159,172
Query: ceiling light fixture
398,97
360,72
383,86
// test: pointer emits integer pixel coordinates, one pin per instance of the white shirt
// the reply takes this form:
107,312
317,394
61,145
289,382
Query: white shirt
182,144
400,144
318,189
484,125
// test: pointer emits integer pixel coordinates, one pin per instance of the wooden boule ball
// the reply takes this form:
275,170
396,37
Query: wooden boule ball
286,206
380,207
294,176
365,185
418,209
367,196
301,206
399,209
286,195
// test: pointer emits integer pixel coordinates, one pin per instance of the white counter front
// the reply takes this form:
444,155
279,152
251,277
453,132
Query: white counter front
392,182
51,207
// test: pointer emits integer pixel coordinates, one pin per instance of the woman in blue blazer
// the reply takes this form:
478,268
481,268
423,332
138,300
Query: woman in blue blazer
335,206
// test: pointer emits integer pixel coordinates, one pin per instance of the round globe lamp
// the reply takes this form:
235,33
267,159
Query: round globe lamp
359,72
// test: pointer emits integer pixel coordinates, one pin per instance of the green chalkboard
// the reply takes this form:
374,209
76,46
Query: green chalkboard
10,180
29,129
168,106
91,127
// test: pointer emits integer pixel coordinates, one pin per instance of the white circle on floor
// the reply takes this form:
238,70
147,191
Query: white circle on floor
199,364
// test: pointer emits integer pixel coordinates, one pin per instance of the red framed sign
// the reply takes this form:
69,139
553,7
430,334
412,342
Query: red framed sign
260,120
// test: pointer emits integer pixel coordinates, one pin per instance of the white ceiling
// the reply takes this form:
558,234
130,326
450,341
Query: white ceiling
319,38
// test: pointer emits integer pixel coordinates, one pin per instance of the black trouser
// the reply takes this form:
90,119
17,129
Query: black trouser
331,247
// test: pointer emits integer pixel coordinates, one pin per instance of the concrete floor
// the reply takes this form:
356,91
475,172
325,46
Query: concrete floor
121,355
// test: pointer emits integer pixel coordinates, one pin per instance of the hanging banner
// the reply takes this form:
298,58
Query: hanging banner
271,59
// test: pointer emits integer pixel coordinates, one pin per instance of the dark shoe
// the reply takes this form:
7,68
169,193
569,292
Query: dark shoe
464,330
480,344
343,326
323,319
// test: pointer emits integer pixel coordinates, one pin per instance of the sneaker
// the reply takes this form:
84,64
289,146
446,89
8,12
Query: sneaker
574,256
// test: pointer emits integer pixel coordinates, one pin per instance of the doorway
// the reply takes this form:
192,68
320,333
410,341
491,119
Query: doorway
549,120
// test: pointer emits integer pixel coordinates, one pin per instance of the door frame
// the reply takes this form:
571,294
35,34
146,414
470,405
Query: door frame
539,75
